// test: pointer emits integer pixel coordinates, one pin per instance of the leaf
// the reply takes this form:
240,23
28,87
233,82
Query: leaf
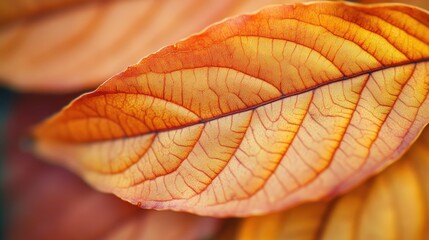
392,205
258,113
81,46
418,3
153,226
47,202
11,10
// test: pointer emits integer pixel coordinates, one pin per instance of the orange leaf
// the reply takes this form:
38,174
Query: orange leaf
257,113
393,205
81,46
418,3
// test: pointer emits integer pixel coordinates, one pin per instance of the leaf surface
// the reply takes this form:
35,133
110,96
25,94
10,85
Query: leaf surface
392,205
83,43
418,3
258,113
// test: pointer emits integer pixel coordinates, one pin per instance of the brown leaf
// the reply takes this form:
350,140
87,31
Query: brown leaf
81,46
47,202
258,113
392,205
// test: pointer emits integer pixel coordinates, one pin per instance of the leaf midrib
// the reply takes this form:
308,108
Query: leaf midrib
279,98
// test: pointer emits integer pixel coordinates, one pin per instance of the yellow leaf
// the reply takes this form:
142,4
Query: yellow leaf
258,113
392,205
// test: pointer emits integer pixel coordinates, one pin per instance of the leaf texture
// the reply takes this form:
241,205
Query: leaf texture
418,3
392,205
258,113
81,46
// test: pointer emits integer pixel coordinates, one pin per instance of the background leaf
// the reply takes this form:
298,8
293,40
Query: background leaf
258,113
84,43
15,10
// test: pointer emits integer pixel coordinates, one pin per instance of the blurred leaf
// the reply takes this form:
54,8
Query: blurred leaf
392,205
82,46
16,10
258,113
166,225
47,202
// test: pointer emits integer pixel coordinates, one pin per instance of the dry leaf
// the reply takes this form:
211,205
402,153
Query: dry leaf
47,202
82,46
258,113
393,205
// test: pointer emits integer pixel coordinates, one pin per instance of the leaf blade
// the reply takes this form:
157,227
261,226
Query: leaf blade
213,136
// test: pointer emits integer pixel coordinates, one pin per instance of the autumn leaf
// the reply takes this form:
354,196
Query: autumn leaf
48,202
418,3
392,205
258,113
83,43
